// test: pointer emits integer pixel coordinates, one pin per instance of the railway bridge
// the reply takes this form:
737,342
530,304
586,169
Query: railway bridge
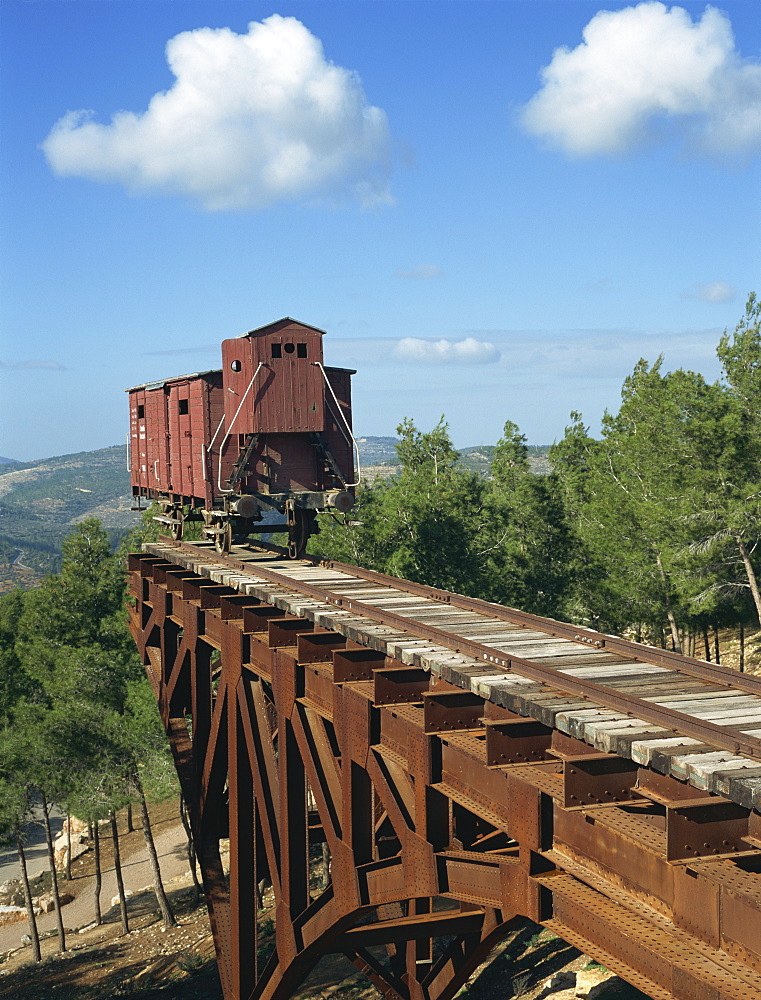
466,765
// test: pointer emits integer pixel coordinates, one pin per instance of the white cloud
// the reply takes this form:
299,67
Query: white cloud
421,272
644,63
446,352
250,120
712,291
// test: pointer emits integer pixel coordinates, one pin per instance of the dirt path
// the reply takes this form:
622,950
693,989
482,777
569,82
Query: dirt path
171,846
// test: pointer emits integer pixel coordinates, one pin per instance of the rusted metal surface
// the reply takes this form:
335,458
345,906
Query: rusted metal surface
465,770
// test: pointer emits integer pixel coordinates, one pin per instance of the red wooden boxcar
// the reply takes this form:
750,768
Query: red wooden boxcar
171,426
269,432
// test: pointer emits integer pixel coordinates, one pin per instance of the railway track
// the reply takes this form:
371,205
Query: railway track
685,718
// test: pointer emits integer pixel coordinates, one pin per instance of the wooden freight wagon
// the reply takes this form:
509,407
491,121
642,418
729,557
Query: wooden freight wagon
270,433
173,458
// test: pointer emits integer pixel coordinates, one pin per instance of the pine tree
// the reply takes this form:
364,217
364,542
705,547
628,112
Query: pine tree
525,537
736,512
15,682
636,493
422,524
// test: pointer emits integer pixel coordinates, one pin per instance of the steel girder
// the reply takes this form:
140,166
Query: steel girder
447,821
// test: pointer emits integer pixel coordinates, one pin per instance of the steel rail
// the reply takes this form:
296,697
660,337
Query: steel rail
701,669
667,718
575,633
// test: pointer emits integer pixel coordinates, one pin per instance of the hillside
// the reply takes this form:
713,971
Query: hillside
377,450
40,501
379,461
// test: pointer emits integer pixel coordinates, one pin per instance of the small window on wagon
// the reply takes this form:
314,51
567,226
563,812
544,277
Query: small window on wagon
289,348
277,350
183,405
140,411
301,350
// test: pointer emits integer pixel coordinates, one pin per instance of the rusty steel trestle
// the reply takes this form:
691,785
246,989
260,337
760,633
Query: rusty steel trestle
447,819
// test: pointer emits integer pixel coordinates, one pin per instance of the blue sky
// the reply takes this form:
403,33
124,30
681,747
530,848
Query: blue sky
493,209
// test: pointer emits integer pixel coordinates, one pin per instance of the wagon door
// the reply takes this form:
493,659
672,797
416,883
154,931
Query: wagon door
138,458
157,441
181,435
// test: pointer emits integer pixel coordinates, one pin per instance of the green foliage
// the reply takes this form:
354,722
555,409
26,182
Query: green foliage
145,754
666,507
191,962
525,537
72,636
423,523
741,358
15,681
522,984
14,799
652,527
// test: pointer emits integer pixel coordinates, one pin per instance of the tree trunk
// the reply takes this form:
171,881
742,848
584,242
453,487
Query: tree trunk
717,654
68,846
53,874
98,873
158,885
118,871
33,933
675,643
751,574
130,823
669,612
191,851
707,644
742,648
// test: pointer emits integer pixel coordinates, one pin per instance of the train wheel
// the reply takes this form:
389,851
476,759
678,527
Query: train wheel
223,539
175,528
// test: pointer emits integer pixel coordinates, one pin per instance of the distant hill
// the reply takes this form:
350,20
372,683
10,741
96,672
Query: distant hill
40,501
377,450
379,459
9,461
